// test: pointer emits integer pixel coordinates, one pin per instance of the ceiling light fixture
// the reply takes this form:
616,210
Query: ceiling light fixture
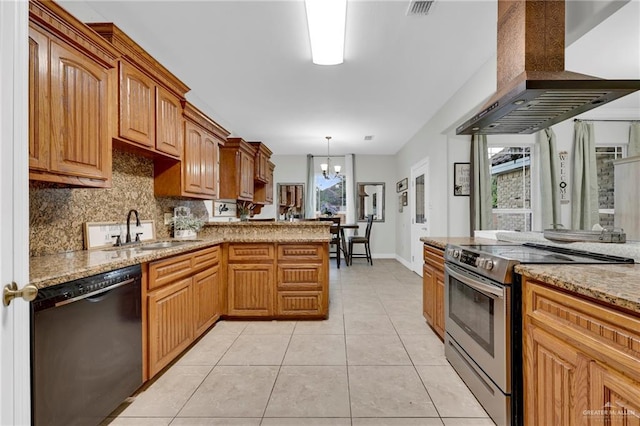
326,20
325,166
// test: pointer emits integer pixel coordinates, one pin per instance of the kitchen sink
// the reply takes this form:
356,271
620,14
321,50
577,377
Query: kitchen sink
163,244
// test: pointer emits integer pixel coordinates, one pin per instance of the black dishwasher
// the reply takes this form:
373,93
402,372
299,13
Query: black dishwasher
86,347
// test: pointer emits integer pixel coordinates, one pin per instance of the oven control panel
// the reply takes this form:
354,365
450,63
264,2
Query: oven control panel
481,263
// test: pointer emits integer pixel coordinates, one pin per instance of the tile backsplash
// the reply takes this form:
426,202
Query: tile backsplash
57,214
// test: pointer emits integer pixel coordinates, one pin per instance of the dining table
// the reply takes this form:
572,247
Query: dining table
343,240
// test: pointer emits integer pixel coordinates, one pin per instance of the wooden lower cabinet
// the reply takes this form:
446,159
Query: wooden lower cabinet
580,360
278,280
433,289
250,289
183,301
171,327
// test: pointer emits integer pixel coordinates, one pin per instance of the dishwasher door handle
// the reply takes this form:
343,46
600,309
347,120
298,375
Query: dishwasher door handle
94,293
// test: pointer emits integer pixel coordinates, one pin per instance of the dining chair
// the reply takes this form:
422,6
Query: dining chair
358,239
335,237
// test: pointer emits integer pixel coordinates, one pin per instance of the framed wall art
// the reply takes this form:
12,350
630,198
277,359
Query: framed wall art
402,185
461,179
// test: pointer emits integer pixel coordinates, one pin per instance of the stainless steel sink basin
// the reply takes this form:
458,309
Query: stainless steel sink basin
163,244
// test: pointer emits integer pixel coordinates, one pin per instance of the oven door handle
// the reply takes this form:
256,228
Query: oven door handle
487,290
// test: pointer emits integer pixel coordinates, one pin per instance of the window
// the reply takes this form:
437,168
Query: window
330,194
511,187
605,154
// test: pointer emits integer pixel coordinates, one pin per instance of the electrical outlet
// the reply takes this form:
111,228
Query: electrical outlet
167,218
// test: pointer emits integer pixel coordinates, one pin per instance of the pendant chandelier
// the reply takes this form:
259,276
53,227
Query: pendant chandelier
325,166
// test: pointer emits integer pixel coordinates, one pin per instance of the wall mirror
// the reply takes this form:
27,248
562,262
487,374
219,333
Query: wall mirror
291,200
371,201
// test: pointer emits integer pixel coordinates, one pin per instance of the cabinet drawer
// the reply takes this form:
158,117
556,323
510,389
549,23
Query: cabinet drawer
205,258
163,272
434,256
251,252
300,277
299,303
302,252
608,335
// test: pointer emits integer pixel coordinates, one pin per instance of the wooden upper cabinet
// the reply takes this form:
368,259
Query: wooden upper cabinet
136,106
237,170
268,191
168,123
196,176
149,99
261,162
70,76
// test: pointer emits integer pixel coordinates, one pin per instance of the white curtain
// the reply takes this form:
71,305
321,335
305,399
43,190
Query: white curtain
309,198
584,196
350,175
550,202
481,202
634,140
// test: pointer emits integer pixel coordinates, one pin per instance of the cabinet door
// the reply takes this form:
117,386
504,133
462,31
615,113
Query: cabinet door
438,314
250,288
191,163
299,303
268,198
428,293
137,106
170,323
556,381
38,97
615,399
209,165
206,286
246,177
79,118
168,123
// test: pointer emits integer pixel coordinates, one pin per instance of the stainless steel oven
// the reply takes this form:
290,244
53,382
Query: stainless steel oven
483,321
478,337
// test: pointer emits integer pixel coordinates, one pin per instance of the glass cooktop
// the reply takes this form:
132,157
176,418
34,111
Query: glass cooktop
543,254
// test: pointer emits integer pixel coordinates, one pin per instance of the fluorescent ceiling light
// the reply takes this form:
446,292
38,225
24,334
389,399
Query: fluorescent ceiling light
326,20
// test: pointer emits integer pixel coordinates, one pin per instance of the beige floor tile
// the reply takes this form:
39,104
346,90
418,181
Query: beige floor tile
468,422
232,392
310,391
256,349
368,324
397,421
215,421
383,349
306,421
270,327
166,396
309,349
208,350
450,395
388,392
137,421
370,306
411,324
229,327
424,349
403,307
333,325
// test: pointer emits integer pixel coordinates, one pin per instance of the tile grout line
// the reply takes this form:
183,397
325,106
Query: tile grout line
277,374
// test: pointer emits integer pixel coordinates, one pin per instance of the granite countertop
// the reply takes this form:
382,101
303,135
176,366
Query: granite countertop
45,271
615,285
441,242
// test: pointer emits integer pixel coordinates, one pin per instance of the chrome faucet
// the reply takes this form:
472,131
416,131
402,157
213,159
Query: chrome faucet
128,237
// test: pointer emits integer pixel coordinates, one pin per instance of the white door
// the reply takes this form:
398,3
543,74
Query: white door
14,223
420,226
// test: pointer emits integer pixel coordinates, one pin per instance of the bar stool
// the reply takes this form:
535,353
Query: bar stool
357,239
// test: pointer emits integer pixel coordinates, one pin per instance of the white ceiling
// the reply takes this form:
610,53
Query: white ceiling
248,64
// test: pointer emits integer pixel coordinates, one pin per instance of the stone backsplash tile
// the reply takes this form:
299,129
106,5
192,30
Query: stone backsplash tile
57,214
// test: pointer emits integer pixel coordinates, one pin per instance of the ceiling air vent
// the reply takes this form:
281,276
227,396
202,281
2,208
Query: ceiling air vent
419,7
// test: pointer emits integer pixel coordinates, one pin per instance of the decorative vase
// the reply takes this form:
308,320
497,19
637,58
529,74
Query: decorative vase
185,234
244,217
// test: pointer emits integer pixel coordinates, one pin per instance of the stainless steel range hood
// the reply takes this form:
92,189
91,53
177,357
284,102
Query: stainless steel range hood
534,90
